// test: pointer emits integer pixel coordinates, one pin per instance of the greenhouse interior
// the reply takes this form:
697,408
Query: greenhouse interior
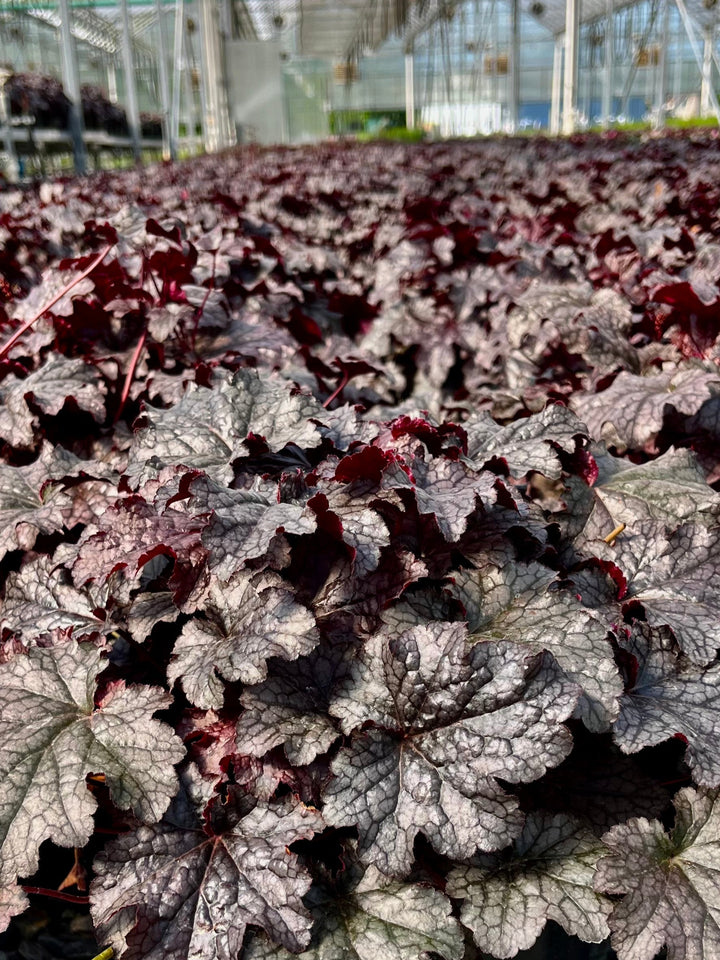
177,77
359,480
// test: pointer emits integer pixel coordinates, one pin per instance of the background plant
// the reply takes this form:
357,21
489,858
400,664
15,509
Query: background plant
359,551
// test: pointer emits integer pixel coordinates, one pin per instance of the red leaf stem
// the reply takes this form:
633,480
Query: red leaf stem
56,894
201,308
66,289
338,390
129,376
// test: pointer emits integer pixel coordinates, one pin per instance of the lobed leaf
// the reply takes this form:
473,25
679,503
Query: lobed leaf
41,598
49,387
449,719
676,577
207,428
404,921
527,445
243,624
548,875
670,882
186,890
670,489
290,707
52,736
521,603
630,413
670,697
243,523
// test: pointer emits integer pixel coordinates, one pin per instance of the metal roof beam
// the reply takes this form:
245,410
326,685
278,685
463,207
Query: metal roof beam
433,12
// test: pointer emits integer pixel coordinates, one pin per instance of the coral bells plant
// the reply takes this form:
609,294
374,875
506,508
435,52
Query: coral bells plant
359,544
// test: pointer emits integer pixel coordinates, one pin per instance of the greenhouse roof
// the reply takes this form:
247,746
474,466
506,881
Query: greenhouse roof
551,13
328,29
92,27
346,32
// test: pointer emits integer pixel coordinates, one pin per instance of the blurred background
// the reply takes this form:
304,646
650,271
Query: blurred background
90,83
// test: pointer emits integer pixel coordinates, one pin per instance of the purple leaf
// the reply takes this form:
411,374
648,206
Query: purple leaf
368,594
676,577
343,427
548,875
525,445
369,914
58,380
13,901
206,429
132,533
671,488
670,882
599,785
449,720
187,888
630,413
670,698
362,527
243,524
290,707
31,502
53,736
521,603
244,622
42,598
444,489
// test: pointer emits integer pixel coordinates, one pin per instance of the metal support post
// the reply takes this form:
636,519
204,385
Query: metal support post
556,101
112,82
12,171
608,78
169,135
215,120
495,47
716,59
208,117
662,67
131,103
678,66
71,82
191,117
572,36
632,72
177,70
682,9
585,87
514,78
410,90
706,82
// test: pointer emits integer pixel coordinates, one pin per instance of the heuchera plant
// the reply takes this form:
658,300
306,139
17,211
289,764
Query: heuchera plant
360,546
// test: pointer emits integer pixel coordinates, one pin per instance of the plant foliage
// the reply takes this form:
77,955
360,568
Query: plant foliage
359,551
